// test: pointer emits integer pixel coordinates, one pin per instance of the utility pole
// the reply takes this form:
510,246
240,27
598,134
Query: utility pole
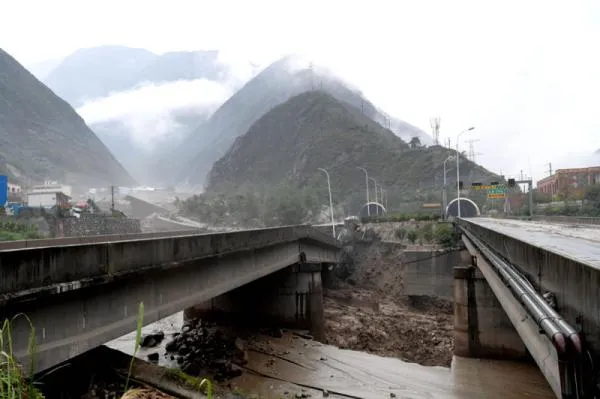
367,184
330,201
112,196
375,182
549,169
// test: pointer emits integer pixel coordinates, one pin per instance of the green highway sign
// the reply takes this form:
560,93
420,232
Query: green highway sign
490,187
497,190
496,196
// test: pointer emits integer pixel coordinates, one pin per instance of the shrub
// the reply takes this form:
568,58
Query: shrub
400,233
427,232
412,236
446,236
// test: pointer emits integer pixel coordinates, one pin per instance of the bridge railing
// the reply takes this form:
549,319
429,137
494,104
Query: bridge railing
46,242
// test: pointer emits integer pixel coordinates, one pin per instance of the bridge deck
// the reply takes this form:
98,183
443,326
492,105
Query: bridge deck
579,243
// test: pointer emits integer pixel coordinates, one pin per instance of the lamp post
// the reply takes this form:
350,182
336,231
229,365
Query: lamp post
367,183
375,182
445,192
330,201
458,169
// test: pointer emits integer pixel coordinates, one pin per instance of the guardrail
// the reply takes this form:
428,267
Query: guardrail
558,219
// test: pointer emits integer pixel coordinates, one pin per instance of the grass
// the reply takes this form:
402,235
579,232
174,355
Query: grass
14,384
12,231
202,385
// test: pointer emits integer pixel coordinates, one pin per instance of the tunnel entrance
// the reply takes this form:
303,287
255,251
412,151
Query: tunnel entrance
372,209
468,208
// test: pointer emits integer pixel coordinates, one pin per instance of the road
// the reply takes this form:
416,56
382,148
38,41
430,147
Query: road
577,242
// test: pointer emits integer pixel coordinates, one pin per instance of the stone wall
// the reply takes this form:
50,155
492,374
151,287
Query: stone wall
91,225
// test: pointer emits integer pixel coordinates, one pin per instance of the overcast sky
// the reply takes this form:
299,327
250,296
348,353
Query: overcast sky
525,73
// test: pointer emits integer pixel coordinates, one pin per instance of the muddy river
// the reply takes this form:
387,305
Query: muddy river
280,367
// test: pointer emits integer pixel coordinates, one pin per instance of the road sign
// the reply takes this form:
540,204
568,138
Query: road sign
497,190
490,187
496,195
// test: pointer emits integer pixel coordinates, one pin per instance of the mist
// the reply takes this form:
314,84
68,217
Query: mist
149,111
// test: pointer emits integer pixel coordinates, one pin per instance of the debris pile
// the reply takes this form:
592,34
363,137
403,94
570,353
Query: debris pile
203,348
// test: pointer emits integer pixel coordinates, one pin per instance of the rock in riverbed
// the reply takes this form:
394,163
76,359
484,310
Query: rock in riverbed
152,340
203,348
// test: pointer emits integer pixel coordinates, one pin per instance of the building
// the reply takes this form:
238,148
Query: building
52,187
48,199
569,183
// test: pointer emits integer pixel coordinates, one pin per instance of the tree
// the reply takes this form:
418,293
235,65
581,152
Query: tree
592,194
415,142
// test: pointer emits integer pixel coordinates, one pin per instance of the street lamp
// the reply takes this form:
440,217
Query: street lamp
375,182
458,169
367,183
330,201
445,192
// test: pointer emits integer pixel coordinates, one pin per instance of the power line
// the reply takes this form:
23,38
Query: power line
435,129
472,153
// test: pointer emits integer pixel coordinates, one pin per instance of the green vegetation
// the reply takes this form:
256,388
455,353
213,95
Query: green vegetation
446,235
400,233
13,382
11,231
400,217
412,236
281,205
202,385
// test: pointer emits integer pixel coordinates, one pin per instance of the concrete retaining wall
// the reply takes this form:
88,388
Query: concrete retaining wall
430,273
481,327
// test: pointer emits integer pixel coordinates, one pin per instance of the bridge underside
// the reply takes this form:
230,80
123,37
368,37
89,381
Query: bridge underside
72,322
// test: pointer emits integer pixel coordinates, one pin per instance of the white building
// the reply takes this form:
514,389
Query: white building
52,187
47,199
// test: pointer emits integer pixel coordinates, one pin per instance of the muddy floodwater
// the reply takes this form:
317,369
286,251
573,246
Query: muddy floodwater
281,367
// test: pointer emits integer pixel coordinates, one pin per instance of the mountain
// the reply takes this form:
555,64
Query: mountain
274,85
42,137
95,72
315,130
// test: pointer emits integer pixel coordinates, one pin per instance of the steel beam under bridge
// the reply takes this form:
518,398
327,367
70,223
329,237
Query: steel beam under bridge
81,296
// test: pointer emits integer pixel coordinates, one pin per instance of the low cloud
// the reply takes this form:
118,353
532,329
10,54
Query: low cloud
149,111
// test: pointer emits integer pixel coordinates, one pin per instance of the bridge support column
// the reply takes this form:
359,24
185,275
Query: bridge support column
481,327
292,297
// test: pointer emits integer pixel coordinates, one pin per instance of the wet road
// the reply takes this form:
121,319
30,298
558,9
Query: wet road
289,364
578,242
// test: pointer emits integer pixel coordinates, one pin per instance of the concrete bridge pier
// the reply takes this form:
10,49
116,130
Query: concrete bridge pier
481,327
291,297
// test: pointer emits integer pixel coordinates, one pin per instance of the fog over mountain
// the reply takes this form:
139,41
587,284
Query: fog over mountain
142,104
276,84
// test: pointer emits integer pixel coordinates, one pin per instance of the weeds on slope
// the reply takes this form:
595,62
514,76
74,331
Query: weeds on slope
14,384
